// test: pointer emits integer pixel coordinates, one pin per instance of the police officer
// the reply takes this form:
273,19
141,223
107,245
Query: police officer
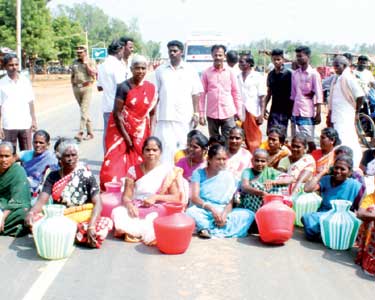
83,77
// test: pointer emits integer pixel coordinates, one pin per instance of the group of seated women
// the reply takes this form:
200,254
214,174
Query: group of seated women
206,178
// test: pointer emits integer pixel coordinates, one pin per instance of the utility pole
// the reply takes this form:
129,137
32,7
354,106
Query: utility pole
18,32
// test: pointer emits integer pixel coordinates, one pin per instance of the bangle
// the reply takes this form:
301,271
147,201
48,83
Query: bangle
196,114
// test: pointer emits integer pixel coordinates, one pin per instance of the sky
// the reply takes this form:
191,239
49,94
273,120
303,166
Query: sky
241,21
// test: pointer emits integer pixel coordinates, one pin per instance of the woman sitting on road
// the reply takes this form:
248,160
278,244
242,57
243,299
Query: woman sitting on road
74,185
299,165
129,125
184,152
339,185
261,180
39,161
366,236
324,157
239,158
14,193
147,184
275,146
196,154
213,188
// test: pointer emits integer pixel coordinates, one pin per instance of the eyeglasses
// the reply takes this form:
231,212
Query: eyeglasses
235,138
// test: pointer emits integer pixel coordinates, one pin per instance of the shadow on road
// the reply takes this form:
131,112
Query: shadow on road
25,248
142,248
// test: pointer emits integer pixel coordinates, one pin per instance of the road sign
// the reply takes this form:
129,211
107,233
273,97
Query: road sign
99,53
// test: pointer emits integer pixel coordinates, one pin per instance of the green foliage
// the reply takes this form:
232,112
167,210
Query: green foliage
152,50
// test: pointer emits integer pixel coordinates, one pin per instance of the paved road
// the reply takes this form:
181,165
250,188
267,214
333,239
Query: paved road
213,269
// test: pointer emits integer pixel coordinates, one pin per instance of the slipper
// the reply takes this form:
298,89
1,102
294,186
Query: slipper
79,137
131,239
204,234
89,136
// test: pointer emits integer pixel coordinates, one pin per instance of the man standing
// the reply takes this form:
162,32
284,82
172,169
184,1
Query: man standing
83,76
179,89
223,99
110,73
128,51
279,84
345,101
253,89
307,95
365,77
17,113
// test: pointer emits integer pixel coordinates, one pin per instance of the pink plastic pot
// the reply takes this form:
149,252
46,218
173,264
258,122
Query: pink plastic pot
111,198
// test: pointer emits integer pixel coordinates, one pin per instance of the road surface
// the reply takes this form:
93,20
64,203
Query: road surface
210,269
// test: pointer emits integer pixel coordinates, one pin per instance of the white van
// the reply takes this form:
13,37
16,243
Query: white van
198,50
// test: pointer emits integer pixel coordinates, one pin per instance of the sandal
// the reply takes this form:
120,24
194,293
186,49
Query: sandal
204,234
131,239
89,136
79,137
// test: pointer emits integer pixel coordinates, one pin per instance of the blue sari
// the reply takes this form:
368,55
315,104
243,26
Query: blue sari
218,192
36,166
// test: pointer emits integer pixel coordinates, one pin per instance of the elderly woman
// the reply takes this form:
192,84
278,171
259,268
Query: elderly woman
147,185
213,188
324,157
14,193
339,185
299,165
36,162
73,185
197,150
129,124
239,158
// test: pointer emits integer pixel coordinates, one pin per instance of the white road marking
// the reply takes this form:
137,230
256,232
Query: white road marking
45,279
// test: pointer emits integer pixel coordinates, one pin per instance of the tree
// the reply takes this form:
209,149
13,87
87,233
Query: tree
152,50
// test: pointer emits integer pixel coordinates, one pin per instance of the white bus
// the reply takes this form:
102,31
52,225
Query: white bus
198,50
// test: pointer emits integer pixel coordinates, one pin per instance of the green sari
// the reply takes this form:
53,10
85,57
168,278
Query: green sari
15,197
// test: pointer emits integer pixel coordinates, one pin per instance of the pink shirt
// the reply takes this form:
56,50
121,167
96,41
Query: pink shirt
223,98
304,82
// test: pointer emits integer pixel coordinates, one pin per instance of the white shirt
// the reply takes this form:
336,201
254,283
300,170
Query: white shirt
15,96
176,86
110,73
251,90
341,109
365,77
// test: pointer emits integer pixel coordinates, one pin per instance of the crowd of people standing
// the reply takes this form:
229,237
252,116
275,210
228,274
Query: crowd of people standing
154,150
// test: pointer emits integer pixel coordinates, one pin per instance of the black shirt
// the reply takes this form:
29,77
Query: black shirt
280,85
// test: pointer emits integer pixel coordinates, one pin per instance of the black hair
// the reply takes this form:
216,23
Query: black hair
42,133
300,137
115,46
216,139
232,57
59,140
332,134
303,49
362,58
8,57
347,159
239,129
280,130
217,47
348,56
201,140
344,150
214,150
277,52
156,140
177,44
193,132
249,59
125,40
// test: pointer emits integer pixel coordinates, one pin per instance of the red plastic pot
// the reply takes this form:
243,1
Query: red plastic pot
111,198
275,220
173,232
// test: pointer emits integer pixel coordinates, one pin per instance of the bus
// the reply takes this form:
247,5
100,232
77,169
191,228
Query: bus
198,50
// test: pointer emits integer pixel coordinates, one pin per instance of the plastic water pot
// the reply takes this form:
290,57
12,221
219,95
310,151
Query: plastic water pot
111,198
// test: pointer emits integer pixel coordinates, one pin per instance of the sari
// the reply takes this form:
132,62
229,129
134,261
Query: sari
156,181
239,162
254,202
76,189
274,159
253,134
36,167
139,101
366,239
218,192
14,196
323,161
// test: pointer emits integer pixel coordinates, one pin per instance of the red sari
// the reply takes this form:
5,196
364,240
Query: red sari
140,100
